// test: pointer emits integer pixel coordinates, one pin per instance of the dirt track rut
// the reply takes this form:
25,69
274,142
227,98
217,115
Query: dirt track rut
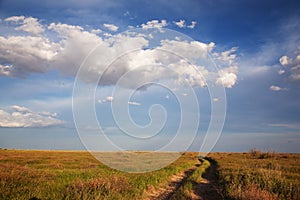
206,189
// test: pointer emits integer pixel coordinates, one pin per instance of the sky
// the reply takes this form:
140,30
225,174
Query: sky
150,75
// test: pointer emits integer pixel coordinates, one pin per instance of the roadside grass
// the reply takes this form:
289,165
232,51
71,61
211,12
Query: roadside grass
76,175
259,175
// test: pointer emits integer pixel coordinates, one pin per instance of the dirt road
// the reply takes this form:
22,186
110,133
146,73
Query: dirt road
206,189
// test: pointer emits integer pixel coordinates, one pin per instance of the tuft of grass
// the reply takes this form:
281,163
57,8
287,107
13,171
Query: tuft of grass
261,154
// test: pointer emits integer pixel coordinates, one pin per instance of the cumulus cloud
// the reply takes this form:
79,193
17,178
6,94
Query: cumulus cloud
292,65
276,88
96,31
20,116
5,70
25,54
21,55
155,24
27,24
107,34
284,60
15,18
189,74
227,56
111,27
193,24
190,50
227,77
180,23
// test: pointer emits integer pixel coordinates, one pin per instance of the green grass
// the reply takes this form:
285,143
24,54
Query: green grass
76,175
259,175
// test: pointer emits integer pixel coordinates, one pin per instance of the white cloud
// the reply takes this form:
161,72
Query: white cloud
275,88
284,60
20,109
227,77
189,50
134,103
5,70
96,31
14,18
106,99
215,99
109,98
20,116
281,71
193,24
155,24
227,56
107,34
292,65
189,74
74,47
287,125
180,23
25,54
27,24
111,27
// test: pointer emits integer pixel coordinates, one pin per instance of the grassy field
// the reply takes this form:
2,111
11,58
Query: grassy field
258,175
78,175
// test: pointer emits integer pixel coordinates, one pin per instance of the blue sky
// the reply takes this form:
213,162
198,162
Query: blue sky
255,45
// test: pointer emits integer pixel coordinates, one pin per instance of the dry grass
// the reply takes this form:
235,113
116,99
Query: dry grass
76,175
259,175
